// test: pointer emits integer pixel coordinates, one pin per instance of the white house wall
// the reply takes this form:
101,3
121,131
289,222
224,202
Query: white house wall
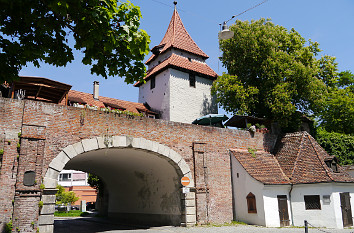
271,209
337,189
189,103
158,98
242,186
330,214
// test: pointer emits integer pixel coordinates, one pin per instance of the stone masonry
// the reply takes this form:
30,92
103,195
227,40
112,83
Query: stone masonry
45,132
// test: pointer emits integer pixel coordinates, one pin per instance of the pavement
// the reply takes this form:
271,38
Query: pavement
101,225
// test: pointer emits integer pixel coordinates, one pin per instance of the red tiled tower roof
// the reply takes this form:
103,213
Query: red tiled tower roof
181,63
177,37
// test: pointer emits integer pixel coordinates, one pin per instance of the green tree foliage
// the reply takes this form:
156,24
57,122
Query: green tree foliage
96,183
106,32
338,144
64,197
272,72
338,114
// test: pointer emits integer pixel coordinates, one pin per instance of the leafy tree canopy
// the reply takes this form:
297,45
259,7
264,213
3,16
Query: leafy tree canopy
96,183
64,197
338,144
272,72
338,114
105,31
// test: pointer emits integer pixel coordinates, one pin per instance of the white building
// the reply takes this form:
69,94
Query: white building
178,81
300,181
68,178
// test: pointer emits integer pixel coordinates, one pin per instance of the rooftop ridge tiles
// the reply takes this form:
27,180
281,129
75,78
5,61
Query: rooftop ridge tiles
298,155
321,160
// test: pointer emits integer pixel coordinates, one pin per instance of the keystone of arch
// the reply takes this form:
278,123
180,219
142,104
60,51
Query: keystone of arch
86,145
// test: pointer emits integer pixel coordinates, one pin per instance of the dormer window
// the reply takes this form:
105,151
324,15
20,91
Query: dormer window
189,59
332,164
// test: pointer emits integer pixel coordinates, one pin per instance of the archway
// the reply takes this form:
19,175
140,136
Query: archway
142,177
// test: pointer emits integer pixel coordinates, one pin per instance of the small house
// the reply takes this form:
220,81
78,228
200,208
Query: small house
298,181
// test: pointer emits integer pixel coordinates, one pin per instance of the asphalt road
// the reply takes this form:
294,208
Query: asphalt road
98,225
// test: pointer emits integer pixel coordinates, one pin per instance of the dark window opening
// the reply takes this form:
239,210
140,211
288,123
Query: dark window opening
191,80
312,202
332,164
152,83
251,203
65,177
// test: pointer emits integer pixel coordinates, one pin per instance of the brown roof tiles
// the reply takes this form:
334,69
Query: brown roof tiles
177,37
86,98
298,159
183,63
262,166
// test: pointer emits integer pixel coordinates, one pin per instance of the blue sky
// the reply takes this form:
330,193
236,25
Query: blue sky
328,22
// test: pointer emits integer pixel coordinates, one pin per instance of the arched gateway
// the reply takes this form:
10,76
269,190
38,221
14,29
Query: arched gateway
165,190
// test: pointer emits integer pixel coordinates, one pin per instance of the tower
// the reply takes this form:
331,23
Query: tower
178,81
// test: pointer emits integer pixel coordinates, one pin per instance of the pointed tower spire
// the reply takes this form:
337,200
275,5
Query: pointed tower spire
177,37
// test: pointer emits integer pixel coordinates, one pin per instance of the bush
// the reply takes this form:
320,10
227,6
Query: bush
337,144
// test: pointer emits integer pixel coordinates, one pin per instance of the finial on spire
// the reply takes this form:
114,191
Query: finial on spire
175,2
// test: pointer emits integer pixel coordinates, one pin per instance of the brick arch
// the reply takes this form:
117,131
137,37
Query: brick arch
46,218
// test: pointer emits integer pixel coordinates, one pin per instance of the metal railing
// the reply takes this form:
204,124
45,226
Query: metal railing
307,224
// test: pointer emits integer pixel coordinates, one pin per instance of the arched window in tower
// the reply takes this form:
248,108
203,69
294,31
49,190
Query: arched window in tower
251,203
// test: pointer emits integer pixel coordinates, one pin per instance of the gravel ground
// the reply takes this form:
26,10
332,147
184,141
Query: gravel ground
99,225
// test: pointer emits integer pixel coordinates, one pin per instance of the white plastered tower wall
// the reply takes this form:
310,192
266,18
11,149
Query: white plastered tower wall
158,98
189,103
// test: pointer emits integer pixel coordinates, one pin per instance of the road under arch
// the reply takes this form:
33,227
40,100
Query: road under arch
143,187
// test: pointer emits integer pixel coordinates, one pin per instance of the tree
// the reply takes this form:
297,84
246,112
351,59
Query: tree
107,33
96,183
338,114
64,197
272,72
337,144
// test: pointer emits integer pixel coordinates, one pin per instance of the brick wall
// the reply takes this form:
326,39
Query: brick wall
48,128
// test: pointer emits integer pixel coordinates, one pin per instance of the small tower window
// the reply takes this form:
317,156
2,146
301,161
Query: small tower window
152,83
191,80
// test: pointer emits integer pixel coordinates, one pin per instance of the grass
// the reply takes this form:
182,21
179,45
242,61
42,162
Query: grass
71,213
232,223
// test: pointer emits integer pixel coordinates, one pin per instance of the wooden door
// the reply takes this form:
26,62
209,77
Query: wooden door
346,209
283,211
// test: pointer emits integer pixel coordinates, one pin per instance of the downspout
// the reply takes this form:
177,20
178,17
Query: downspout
291,206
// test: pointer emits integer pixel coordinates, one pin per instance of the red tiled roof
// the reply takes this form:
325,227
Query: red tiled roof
183,63
298,159
303,160
262,166
102,101
177,37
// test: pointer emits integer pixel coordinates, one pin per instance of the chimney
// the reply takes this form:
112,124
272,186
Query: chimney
96,86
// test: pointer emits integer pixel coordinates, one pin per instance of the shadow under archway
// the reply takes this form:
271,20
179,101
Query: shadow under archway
142,187
156,211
